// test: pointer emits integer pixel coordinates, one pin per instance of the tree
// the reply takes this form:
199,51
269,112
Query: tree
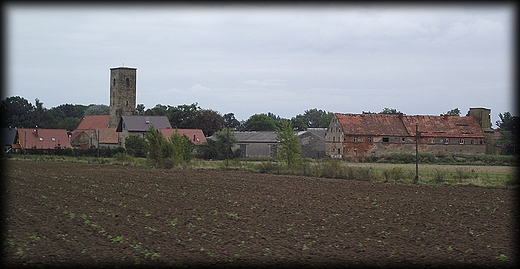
299,123
387,110
453,112
259,122
230,121
182,116
17,112
507,122
97,110
208,120
69,123
226,140
182,148
135,146
139,110
317,118
508,126
158,110
289,149
157,147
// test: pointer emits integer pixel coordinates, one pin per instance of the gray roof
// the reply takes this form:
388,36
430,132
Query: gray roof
142,123
320,132
258,136
8,135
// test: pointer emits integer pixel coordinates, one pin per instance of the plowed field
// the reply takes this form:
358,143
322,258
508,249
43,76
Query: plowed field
96,215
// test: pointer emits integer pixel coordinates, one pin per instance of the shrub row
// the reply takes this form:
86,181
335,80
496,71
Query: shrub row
473,159
75,152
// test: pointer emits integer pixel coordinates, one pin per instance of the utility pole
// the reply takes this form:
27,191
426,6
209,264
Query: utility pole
416,179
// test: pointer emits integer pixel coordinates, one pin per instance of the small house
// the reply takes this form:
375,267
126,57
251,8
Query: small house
138,125
37,138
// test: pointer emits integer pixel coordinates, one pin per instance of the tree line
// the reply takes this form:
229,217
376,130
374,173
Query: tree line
19,112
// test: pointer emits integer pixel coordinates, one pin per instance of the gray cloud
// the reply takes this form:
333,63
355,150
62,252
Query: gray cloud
284,60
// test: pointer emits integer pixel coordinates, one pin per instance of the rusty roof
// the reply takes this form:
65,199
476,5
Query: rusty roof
93,122
444,126
372,124
42,138
404,125
196,136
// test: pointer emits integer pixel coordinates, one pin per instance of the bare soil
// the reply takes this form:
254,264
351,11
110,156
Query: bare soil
74,214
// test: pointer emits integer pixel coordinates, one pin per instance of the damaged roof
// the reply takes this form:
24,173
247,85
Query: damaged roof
444,126
372,124
403,125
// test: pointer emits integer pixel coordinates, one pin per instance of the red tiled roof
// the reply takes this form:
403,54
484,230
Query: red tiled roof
93,122
444,126
43,138
196,136
371,124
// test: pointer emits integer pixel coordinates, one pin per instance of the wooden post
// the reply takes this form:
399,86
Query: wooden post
416,179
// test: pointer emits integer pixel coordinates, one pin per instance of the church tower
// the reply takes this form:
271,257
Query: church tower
123,82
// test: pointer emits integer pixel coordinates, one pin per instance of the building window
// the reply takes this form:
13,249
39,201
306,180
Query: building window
461,141
402,139
386,139
333,139
355,152
339,152
432,140
355,139
369,139
481,141
446,141
53,139
471,142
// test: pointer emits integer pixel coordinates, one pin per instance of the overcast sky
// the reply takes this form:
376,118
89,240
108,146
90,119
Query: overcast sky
259,59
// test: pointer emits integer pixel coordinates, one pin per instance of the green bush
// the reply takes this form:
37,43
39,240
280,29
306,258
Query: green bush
269,167
439,176
394,174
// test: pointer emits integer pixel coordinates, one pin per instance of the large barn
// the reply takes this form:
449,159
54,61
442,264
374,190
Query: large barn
366,135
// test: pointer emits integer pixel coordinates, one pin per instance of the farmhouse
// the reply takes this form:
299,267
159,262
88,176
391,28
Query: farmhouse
365,135
93,132
138,125
37,138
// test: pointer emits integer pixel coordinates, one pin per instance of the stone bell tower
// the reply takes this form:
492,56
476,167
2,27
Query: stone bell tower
123,81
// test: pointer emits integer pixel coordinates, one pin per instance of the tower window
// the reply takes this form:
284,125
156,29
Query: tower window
114,82
127,82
